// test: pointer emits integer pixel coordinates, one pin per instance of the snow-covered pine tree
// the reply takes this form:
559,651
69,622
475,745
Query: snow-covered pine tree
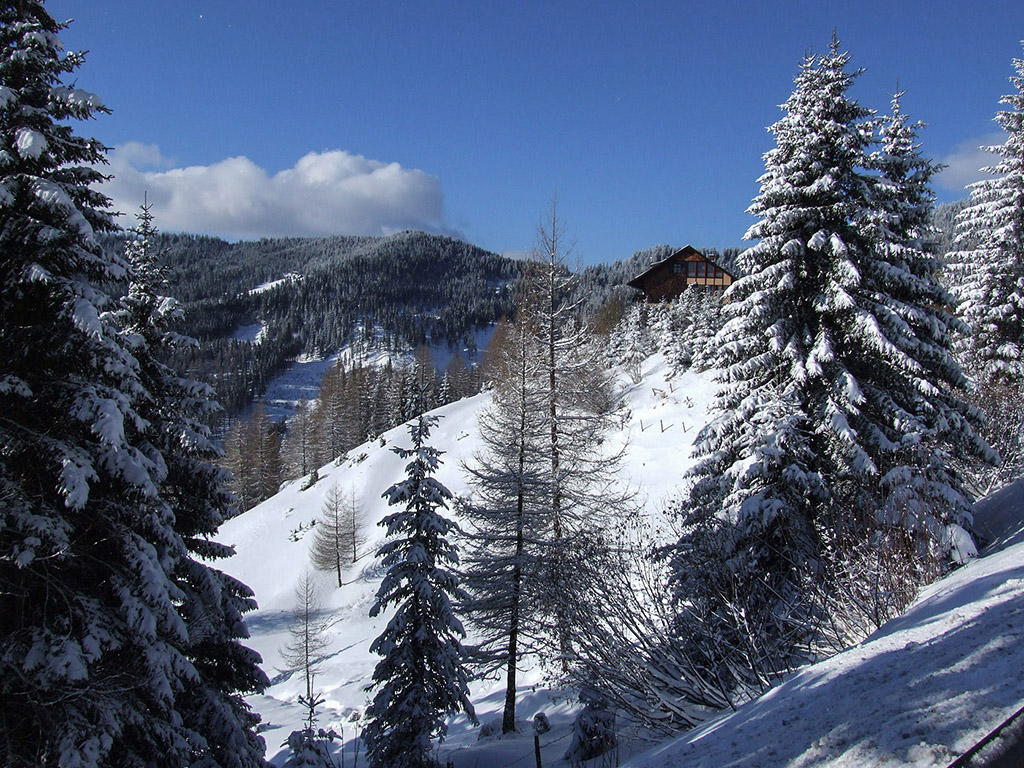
838,400
632,339
422,392
508,517
685,328
758,477
421,678
704,306
989,265
988,276
914,422
97,651
445,390
210,602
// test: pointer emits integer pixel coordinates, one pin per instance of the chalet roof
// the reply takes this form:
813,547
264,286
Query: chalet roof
686,251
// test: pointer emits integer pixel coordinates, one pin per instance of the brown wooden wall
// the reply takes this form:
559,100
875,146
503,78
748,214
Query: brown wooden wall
667,283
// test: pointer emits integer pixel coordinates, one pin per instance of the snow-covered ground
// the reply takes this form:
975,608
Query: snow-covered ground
660,420
252,333
918,692
270,285
301,380
302,377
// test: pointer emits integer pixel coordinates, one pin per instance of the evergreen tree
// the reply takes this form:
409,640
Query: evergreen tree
211,603
102,658
917,426
421,677
632,340
459,381
989,265
988,274
423,383
838,405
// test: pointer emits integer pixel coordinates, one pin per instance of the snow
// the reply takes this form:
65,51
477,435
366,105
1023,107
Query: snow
251,333
268,286
76,98
918,692
442,355
299,381
51,194
31,144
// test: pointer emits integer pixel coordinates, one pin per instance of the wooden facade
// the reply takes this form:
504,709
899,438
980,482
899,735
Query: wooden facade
666,279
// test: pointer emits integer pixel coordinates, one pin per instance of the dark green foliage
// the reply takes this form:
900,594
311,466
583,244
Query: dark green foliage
393,292
118,643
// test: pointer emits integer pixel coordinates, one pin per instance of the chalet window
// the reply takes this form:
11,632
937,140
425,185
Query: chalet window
678,267
691,268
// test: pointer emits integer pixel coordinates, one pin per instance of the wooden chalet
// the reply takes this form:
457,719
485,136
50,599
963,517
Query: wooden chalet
666,279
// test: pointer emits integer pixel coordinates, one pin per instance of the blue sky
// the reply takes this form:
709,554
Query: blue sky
648,119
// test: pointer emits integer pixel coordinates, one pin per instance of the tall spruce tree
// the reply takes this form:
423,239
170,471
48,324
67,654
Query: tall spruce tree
421,678
838,404
211,603
916,425
988,276
989,262
101,658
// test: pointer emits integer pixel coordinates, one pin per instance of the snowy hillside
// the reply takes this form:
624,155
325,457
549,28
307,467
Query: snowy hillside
660,418
919,692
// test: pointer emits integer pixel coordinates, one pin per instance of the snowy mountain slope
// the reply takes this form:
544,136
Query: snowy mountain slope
919,692
660,419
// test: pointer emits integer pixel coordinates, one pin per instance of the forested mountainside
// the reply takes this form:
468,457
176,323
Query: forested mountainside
318,295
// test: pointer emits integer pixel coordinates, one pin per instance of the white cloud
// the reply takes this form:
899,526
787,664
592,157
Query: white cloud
964,164
325,193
